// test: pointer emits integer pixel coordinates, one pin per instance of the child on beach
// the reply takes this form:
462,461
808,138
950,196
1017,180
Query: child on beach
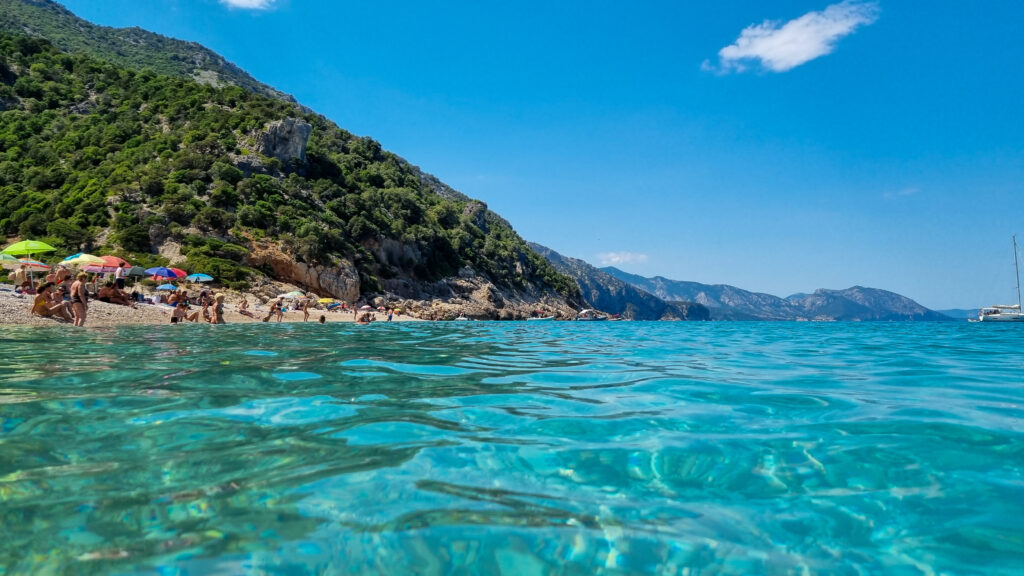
179,313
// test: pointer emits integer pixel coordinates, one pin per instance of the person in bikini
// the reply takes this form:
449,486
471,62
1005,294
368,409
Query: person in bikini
218,310
80,298
49,305
243,309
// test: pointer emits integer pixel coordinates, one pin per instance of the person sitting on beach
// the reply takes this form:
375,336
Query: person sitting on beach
243,309
218,310
366,318
179,314
112,295
80,298
206,311
47,304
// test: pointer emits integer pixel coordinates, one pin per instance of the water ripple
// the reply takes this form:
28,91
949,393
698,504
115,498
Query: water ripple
527,448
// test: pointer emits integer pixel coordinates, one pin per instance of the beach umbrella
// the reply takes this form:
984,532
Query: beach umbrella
325,301
113,261
110,264
199,278
27,247
167,287
8,261
34,265
137,271
178,272
161,272
292,295
366,307
80,259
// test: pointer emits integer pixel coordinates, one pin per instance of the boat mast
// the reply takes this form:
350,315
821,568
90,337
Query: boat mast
1016,269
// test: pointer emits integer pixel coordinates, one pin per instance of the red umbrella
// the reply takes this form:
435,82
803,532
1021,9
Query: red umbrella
178,272
110,264
113,261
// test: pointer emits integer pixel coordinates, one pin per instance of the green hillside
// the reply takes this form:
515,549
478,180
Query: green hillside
129,47
95,156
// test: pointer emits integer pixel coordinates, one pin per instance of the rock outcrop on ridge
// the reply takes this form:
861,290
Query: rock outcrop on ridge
285,139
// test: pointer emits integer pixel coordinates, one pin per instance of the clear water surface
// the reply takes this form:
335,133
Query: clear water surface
513,448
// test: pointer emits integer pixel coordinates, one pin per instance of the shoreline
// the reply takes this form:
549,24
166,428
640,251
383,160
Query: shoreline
15,311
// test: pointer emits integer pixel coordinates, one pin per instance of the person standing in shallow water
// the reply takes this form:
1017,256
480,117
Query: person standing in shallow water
80,298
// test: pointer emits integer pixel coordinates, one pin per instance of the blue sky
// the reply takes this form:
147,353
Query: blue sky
775,146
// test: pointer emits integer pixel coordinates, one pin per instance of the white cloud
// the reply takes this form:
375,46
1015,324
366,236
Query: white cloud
782,46
249,4
901,193
619,258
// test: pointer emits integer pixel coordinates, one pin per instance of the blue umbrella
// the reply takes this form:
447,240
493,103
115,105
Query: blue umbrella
161,271
167,287
199,278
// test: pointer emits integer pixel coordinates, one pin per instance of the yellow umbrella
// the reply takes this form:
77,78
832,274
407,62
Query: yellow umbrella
82,259
325,301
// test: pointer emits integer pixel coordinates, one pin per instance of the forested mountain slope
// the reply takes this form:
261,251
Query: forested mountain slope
98,156
731,303
133,48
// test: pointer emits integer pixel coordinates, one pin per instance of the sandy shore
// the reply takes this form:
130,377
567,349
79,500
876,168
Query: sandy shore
15,310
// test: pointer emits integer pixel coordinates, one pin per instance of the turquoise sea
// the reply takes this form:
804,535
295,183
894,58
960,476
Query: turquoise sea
513,448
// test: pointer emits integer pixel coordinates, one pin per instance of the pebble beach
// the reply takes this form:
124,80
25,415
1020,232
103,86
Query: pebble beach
14,310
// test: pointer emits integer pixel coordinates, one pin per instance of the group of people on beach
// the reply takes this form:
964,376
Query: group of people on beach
211,307
49,300
63,297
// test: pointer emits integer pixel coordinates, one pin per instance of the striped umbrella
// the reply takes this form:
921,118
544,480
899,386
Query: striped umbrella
34,265
80,259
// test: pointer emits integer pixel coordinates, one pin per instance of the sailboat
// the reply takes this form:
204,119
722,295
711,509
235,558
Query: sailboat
1005,312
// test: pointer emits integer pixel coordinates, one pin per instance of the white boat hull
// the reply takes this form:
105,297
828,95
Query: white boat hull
1011,317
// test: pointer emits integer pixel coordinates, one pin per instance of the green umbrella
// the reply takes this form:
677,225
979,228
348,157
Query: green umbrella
8,261
28,247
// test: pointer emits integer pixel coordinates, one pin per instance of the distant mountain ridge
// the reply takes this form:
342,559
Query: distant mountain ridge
604,292
731,303
129,47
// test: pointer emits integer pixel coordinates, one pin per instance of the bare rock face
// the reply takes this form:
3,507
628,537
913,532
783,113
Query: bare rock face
341,281
285,139
479,299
